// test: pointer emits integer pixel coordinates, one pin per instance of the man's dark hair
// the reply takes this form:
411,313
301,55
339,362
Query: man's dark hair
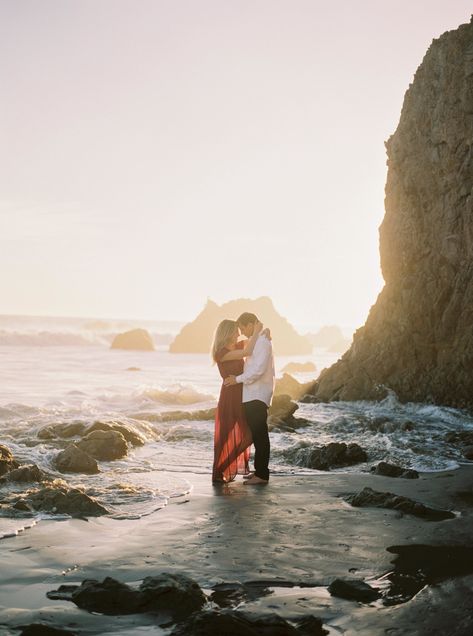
246,318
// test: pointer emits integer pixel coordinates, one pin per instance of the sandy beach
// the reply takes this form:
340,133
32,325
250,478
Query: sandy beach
294,537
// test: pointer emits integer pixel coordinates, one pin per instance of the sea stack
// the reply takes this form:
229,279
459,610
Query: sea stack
418,337
196,336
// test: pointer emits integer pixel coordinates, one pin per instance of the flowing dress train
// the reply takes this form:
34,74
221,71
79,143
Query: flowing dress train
232,438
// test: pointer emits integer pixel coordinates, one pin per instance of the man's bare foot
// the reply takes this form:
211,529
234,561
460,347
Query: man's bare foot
255,481
249,476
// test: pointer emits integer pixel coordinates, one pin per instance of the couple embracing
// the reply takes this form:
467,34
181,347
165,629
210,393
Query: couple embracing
247,370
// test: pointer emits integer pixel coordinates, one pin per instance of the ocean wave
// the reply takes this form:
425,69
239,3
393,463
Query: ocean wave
179,394
52,338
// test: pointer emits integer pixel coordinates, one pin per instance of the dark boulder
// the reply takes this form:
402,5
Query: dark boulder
173,594
391,470
104,445
372,498
336,455
74,460
231,623
231,594
353,590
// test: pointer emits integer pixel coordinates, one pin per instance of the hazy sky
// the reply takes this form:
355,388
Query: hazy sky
154,153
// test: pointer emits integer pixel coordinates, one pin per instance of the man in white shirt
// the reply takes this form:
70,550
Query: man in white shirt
258,386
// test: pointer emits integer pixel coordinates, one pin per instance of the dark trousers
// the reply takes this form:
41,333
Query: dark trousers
256,413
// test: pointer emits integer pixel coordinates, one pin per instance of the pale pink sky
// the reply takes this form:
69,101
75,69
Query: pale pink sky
154,153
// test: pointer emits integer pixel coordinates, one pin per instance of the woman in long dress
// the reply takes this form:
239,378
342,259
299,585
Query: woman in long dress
232,438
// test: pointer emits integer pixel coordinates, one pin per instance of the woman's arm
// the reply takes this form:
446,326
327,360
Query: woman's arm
239,354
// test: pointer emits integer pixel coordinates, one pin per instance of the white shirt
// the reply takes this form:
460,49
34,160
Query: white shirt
258,373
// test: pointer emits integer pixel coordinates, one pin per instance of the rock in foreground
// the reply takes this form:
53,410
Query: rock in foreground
104,445
372,498
56,498
135,339
173,594
75,460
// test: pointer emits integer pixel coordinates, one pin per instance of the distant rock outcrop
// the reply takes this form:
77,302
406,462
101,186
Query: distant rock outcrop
299,367
138,339
326,337
418,338
196,336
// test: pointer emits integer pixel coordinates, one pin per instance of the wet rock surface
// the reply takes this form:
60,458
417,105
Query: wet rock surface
26,473
353,589
104,445
130,435
375,499
7,461
58,499
232,593
75,460
391,470
281,414
418,337
336,455
173,594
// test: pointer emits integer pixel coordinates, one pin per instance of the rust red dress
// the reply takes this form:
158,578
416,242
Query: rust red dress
232,438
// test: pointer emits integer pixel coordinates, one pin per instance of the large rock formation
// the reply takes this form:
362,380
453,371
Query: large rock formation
418,338
196,337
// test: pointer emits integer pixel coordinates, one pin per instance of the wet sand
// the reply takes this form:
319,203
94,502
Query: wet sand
297,530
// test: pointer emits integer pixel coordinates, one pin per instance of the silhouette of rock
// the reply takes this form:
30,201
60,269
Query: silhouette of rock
75,460
287,385
196,336
418,337
137,339
326,337
299,367
373,498
104,445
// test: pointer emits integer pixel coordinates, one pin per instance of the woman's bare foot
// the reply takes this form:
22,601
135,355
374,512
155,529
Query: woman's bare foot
255,481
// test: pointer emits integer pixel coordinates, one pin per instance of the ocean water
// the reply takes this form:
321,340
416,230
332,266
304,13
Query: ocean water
63,370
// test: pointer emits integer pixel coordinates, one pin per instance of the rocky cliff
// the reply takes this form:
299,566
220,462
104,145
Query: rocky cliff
196,336
418,337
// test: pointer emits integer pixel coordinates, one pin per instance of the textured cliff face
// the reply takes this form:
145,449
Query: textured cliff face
418,338
196,336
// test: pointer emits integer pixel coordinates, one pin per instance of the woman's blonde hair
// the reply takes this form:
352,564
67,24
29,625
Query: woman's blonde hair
222,335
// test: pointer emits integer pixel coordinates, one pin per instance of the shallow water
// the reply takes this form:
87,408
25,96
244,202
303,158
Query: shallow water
51,384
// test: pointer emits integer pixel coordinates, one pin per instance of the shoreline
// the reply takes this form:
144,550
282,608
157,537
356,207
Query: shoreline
298,529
